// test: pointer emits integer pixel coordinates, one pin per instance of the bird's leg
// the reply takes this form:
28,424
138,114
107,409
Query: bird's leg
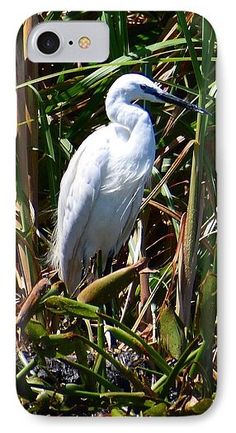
111,340
99,263
108,266
144,277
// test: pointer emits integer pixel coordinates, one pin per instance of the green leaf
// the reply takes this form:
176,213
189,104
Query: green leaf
192,51
129,337
122,397
202,406
159,409
49,148
206,318
116,411
35,330
55,290
130,375
106,288
66,147
171,333
61,305
123,60
45,125
207,307
162,386
62,344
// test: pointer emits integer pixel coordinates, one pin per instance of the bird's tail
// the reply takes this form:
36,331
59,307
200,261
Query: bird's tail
73,274
53,254
74,277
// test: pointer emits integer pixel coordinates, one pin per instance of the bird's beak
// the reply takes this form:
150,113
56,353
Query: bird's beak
171,99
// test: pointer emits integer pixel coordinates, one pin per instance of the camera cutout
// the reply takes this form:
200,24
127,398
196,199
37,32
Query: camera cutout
71,41
48,42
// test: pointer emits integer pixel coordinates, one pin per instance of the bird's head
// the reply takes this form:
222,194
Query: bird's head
137,86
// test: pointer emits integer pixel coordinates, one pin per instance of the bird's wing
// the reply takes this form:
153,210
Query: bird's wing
78,193
133,203
95,143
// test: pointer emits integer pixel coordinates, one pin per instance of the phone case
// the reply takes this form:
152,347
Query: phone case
116,221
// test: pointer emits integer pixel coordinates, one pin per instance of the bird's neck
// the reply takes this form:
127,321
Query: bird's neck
120,110
141,142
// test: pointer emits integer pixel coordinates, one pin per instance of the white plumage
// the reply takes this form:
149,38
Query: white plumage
102,188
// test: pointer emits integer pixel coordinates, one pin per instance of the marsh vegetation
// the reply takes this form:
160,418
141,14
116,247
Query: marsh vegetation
152,355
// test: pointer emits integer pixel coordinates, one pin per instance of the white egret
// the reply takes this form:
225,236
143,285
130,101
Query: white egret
102,188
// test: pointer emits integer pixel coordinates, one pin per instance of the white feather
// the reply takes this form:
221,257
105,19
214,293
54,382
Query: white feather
102,188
